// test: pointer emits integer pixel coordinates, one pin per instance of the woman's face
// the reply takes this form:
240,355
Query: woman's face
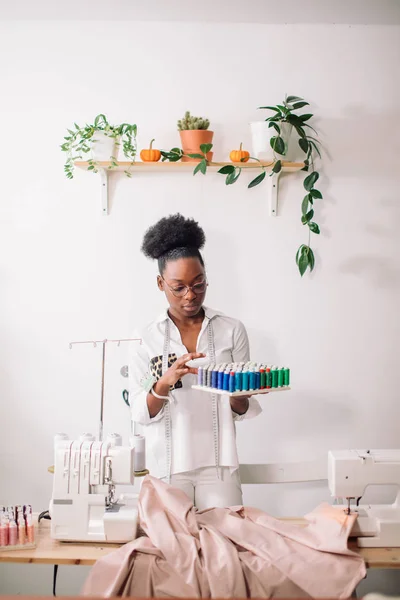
184,284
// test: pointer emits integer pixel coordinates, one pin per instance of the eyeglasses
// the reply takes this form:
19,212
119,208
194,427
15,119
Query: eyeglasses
182,290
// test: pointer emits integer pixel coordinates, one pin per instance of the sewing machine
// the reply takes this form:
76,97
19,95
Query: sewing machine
349,473
83,505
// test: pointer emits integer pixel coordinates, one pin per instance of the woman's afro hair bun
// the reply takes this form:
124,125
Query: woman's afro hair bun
172,232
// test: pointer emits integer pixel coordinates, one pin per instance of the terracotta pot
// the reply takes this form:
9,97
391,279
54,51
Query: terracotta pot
192,139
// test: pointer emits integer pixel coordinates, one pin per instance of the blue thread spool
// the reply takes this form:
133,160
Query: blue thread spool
226,381
220,380
252,380
214,378
258,380
238,381
232,380
209,371
245,381
200,376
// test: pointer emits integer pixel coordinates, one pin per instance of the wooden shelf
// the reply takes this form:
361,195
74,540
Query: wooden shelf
104,168
185,166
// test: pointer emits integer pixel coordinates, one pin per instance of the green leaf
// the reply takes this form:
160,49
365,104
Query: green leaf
316,148
233,177
275,126
310,180
300,130
269,108
307,125
257,180
303,144
303,263
197,168
316,194
293,98
277,144
306,218
202,166
304,205
277,167
195,155
294,119
300,105
227,169
205,148
298,253
305,117
311,259
314,228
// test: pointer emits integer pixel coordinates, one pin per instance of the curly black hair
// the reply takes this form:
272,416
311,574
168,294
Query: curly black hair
173,237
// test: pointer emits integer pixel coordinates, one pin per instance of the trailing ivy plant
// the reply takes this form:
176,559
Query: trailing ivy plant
176,154
287,113
79,140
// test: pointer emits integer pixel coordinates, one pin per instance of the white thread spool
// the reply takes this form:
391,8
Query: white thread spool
86,437
138,442
114,439
59,437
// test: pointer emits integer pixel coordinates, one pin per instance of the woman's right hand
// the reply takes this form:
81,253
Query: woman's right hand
180,369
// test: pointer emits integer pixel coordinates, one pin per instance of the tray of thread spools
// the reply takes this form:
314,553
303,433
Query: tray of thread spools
17,531
242,379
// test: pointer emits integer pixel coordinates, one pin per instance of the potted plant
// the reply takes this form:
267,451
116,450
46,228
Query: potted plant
194,133
101,141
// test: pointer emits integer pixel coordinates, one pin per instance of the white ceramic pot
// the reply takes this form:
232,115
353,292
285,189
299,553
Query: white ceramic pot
103,147
261,135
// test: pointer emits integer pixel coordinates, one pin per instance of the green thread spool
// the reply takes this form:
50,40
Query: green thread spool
286,377
274,375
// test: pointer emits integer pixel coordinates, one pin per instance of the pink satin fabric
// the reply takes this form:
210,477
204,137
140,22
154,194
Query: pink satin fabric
228,553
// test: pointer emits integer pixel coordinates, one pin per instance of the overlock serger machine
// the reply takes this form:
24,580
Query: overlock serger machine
350,472
83,505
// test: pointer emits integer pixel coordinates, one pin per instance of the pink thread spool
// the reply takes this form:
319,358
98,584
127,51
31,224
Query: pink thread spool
30,530
12,533
21,531
4,532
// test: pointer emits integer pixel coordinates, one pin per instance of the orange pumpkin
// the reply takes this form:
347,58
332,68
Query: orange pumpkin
239,155
150,154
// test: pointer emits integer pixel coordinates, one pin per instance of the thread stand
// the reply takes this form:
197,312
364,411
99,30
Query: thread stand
210,390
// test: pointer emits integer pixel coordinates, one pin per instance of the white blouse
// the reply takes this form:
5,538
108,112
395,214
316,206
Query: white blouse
192,445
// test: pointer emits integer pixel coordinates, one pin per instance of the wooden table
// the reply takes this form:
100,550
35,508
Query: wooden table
52,552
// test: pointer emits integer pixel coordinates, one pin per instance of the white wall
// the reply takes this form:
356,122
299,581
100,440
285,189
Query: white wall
68,273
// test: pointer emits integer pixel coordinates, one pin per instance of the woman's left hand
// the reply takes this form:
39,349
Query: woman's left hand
239,404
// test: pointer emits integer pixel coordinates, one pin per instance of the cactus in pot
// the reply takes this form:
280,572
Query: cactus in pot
194,133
